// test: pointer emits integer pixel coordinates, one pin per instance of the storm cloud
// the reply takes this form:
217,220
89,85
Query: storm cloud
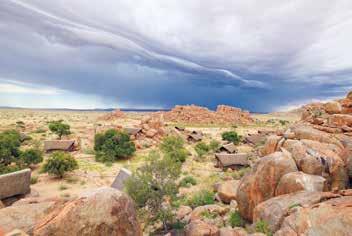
258,55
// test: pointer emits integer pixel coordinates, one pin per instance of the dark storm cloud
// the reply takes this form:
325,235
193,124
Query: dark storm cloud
258,56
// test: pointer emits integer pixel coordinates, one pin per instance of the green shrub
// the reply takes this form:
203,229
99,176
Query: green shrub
31,156
59,128
201,198
231,136
152,183
59,163
236,220
173,148
201,149
214,145
34,179
113,145
187,181
262,226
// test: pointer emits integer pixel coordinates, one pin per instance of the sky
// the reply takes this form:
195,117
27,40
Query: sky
258,55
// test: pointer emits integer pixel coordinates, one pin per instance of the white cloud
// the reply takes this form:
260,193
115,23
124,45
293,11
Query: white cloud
16,87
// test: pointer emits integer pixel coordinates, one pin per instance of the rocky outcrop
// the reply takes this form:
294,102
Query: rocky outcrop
104,211
200,115
332,217
260,184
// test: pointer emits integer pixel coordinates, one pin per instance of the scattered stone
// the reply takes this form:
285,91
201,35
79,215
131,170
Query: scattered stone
200,228
227,190
120,179
182,212
237,231
213,209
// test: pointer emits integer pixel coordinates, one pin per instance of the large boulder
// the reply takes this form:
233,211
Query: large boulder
104,211
25,216
299,181
260,184
237,231
332,217
200,228
333,107
227,190
274,210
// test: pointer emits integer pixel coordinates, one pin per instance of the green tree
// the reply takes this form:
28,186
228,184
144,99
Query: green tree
31,156
113,145
231,136
59,163
9,147
173,148
59,128
153,184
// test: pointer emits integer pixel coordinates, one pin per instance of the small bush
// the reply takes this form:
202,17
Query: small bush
59,128
173,148
236,220
231,136
10,142
214,145
59,163
201,149
262,227
201,198
113,145
31,156
62,187
187,181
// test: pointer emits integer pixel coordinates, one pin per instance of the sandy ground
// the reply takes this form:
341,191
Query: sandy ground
92,174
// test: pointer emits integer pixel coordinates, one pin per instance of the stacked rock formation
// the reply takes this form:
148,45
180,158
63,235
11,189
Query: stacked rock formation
200,115
152,130
307,165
